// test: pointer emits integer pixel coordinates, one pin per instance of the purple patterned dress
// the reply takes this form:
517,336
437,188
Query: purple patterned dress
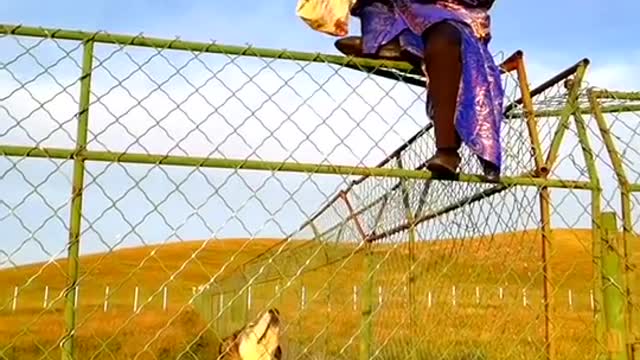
480,99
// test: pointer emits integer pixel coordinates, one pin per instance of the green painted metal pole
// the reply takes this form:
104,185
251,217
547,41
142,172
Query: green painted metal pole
367,340
553,113
545,211
618,95
201,47
71,308
219,299
366,297
411,231
596,221
203,302
611,270
327,284
529,112
280,166
625,189
547,283
569,109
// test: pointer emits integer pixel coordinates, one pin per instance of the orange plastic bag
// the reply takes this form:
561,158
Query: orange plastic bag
326,16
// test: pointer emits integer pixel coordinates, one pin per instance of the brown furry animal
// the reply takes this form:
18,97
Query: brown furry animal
258,340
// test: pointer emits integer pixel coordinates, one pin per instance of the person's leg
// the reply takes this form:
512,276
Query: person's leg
443,64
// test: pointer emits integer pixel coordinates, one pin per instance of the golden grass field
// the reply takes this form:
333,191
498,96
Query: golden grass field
327,326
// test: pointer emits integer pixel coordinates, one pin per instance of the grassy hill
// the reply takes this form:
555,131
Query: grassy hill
446,320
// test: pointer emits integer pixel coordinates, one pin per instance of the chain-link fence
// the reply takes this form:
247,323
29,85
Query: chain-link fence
211,183
615,115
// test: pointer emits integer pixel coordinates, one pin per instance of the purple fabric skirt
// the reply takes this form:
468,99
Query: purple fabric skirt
479,111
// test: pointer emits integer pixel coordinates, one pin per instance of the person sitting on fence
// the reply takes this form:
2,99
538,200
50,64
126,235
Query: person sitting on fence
449,40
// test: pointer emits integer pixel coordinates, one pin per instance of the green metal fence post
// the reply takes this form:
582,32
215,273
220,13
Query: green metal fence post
596,219
573,86
238,302
203,302
530,116
366,297
545,209
625,192
614,294
317,237
366,344
70,306
218,296
547,283
406,201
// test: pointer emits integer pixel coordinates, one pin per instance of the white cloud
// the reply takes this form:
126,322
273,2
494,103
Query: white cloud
214,104
619,73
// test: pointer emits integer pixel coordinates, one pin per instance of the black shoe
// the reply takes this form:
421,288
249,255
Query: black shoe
444,163
490,170
352,46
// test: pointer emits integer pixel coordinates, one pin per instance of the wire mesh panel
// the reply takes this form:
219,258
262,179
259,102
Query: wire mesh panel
614,116
162,195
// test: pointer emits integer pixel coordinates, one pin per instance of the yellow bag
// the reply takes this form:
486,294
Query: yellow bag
326,16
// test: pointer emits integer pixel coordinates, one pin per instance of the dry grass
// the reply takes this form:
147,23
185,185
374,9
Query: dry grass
136,337
327,325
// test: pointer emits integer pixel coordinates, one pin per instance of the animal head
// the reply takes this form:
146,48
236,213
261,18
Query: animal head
258,340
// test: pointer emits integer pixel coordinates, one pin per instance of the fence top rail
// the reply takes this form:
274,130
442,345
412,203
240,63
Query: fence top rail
615,95
212,47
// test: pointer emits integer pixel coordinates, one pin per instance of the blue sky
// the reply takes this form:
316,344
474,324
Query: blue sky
559,30
553,35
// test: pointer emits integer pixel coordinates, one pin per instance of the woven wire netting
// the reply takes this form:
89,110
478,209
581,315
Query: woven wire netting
175,257
151,234
465,282
621,124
